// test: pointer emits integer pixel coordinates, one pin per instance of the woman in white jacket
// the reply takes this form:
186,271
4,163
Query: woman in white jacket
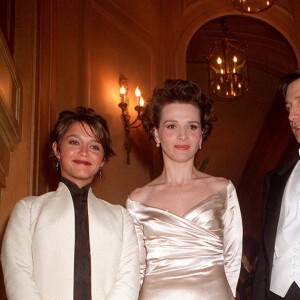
68,244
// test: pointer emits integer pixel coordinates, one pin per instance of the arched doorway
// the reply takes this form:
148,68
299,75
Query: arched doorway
252,134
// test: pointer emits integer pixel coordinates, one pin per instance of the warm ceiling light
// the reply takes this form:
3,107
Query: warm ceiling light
227,66
252,6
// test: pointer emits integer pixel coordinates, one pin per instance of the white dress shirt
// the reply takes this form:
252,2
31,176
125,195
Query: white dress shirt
286,262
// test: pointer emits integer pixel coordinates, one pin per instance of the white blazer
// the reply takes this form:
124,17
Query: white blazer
38,249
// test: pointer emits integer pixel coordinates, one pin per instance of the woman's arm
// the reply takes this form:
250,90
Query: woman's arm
127,285
233,238
16,256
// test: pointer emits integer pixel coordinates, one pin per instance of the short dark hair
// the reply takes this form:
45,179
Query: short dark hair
287,80
178,91
81,114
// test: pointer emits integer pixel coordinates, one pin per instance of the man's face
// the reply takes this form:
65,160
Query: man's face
292,101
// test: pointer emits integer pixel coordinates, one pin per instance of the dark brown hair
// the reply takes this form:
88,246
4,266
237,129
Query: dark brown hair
287,80
88,116
178,91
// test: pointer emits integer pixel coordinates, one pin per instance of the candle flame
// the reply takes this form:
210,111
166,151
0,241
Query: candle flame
122,90
142,102
137,92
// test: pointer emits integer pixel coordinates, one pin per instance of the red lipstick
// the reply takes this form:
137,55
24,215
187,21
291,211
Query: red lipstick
182,147
82,162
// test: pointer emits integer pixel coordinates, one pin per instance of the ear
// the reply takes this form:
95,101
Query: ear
55,150
155,135
102,164
200,142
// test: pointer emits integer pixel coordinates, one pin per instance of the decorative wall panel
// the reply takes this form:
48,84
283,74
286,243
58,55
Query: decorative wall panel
10,105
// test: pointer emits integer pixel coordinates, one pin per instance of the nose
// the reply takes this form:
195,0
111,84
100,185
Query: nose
293,113
182,134
83,151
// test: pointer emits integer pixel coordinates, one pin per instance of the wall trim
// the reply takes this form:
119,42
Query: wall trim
10,107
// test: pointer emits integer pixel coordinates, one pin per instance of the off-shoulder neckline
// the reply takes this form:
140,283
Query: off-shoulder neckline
207,199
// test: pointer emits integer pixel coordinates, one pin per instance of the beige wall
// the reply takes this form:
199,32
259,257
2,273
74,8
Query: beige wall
120,41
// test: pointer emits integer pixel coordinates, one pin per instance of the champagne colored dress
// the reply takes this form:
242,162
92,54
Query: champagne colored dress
194,257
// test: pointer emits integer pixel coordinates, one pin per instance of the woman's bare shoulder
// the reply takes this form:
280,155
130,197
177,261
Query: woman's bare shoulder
214,183
143,193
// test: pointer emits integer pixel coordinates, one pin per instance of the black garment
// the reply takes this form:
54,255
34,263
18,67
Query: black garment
275,182
82,255
292,294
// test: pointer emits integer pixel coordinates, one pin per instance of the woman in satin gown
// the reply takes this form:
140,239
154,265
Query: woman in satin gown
188,223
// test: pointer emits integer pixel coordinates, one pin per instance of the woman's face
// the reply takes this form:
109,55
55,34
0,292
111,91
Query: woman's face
179,131
80,155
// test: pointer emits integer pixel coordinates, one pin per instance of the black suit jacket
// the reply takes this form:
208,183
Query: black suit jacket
275,182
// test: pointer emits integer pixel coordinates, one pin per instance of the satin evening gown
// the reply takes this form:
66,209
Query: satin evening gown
194,257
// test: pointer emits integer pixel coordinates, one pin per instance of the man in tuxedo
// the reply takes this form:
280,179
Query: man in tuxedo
278,269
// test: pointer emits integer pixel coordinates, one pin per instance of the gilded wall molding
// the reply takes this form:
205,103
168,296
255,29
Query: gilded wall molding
10,108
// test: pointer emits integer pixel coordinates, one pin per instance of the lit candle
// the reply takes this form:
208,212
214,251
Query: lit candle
142,102
122,93
138,96
234,59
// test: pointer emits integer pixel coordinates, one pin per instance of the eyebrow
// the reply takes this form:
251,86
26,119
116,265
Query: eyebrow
78,137
177,121
296,97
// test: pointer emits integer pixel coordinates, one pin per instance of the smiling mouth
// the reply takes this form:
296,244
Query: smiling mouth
295,128
182,147
82,162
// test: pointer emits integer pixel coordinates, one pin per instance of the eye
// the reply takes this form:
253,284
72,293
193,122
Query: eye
171,126
73,142
96,147
194,127
288,107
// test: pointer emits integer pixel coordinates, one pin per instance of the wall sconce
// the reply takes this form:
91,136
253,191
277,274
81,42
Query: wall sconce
125,116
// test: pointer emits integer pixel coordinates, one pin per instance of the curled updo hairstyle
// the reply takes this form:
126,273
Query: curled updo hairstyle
96,123
178,91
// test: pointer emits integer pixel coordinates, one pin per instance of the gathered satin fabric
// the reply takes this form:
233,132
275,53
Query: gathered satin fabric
197,256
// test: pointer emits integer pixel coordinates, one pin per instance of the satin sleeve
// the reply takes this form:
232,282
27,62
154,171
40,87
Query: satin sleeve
16,256
233,238
140,237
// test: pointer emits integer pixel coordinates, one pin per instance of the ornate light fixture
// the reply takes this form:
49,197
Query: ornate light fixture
252,6
125,116
227,66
